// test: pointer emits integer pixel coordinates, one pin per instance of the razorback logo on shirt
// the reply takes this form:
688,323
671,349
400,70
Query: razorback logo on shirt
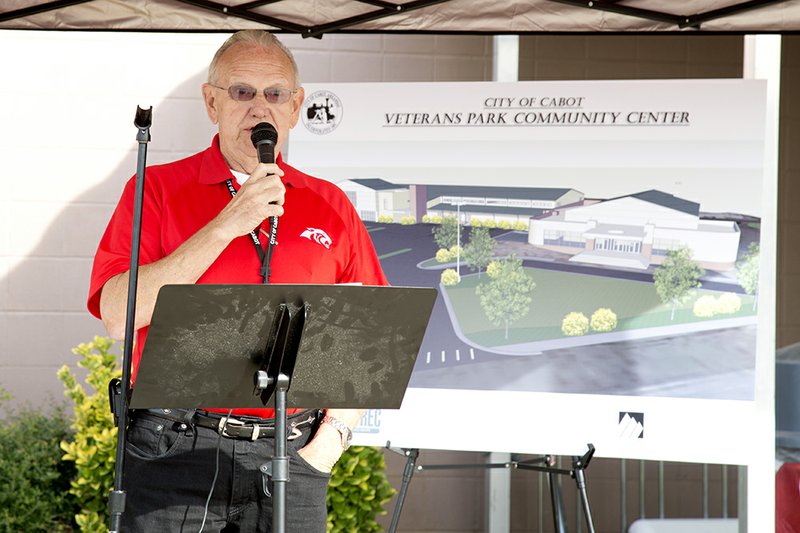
319,236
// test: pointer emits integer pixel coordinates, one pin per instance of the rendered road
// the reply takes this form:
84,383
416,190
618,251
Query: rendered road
715,364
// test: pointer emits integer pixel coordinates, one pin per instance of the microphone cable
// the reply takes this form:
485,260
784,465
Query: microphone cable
216,471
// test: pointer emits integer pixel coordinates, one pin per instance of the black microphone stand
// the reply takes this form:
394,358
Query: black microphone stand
119,390
272,381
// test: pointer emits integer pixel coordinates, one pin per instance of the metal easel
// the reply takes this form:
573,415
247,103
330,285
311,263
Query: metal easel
544,464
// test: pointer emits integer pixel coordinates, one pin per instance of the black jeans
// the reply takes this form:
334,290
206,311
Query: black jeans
169,468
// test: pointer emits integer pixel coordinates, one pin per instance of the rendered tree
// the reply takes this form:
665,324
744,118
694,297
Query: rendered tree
446,234
677,277
748,272
478,252
506,297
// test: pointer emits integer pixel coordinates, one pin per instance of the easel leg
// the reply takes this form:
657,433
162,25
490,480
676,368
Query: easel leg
559,521
408,472
544,464
580,480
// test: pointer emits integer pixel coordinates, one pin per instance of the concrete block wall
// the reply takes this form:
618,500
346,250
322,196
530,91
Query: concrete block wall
366,58
67,149
601,57
788,295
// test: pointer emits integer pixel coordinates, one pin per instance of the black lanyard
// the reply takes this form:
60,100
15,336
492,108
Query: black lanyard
264,257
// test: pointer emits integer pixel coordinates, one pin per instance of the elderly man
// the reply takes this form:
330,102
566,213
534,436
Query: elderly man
198,216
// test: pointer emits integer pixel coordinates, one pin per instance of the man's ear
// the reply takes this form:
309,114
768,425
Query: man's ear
210,99
297,103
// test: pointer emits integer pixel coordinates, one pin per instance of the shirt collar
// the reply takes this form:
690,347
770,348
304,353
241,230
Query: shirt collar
214,169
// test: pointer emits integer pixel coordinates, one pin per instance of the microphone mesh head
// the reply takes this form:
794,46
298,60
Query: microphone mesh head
264,133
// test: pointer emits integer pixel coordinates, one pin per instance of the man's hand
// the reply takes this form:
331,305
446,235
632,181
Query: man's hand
260,197
326,447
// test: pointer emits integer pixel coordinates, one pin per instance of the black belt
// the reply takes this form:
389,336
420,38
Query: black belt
233,427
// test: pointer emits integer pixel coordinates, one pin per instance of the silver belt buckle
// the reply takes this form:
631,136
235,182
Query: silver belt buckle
224,422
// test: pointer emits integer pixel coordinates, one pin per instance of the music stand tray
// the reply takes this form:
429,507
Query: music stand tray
206,343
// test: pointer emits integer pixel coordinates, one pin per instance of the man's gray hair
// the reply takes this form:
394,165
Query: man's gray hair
258,37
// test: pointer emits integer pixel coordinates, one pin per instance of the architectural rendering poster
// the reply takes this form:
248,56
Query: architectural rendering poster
596,249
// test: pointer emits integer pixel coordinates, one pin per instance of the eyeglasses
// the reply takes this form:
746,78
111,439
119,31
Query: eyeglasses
245,93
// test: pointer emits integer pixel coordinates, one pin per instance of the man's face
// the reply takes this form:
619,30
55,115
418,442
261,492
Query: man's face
260,68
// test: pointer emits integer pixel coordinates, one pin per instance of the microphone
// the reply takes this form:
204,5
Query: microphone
264,138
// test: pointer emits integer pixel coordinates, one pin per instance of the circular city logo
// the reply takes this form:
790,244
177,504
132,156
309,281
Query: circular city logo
322,112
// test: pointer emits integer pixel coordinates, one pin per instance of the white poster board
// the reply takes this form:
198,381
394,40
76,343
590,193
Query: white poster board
595,187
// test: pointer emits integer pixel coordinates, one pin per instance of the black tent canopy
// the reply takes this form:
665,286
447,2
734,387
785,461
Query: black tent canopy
313,18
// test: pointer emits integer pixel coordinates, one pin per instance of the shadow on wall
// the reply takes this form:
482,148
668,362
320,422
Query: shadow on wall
43,312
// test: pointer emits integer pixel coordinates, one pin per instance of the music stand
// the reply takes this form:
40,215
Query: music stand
244,346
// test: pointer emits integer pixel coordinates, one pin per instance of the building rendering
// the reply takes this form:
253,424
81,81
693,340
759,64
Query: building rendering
510,204
637,231
632,231
374,197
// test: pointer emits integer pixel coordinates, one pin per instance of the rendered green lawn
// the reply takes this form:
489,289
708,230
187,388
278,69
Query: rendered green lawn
557,293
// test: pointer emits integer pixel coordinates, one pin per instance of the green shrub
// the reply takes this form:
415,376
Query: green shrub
705,306
356,495
520,225
504,224
385,219
449,277
408,220
431,219
575,324
357,491
443,255
482,222
33,490
728,303
456,250
93,449
603,320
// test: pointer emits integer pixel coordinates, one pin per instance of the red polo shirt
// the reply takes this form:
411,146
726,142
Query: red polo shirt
321,239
